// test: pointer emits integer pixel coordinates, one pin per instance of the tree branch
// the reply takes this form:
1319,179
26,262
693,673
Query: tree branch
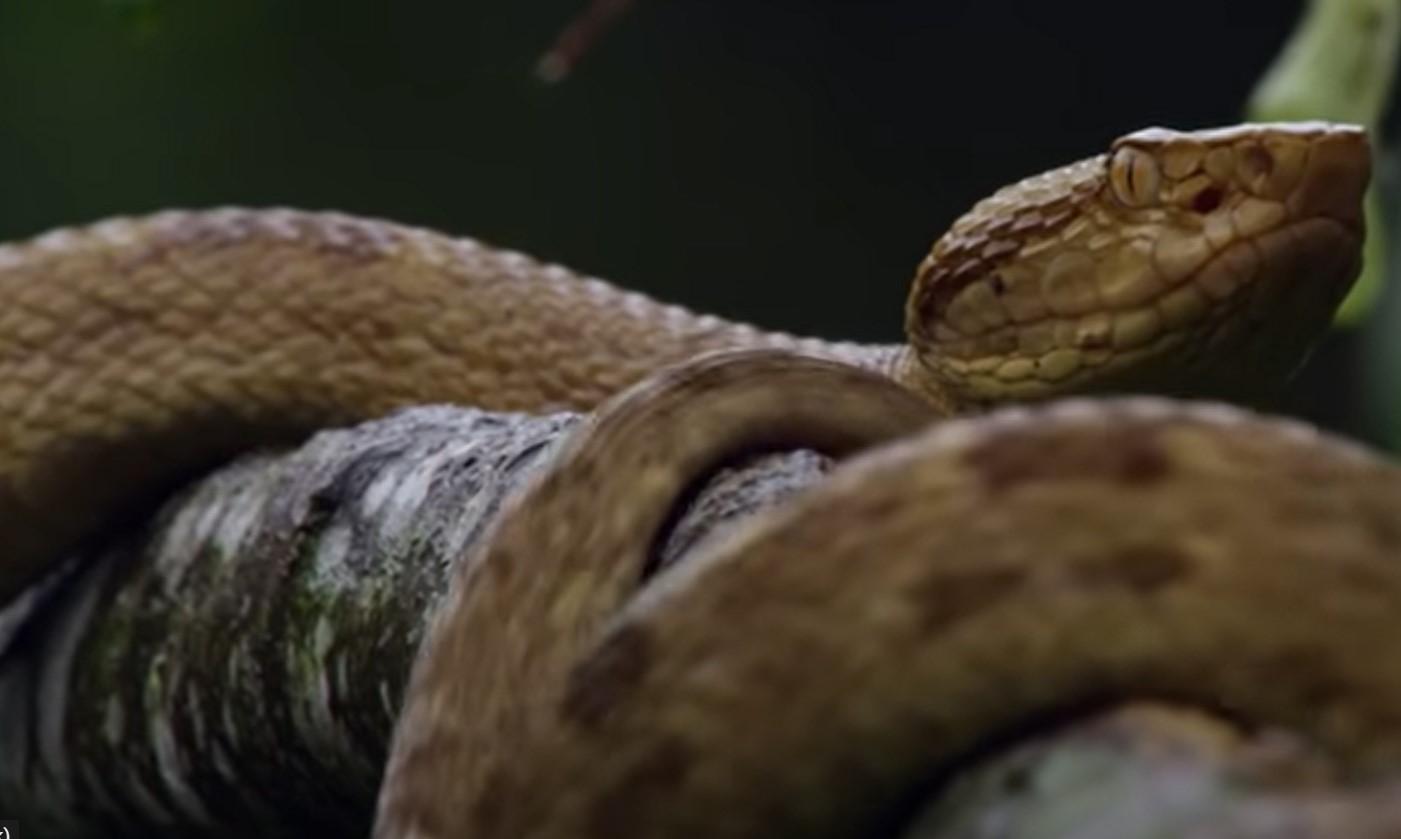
578,37
236,664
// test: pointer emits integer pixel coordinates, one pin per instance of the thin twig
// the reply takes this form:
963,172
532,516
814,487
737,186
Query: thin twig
582,33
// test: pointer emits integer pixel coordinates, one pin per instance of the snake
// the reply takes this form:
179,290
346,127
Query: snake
147,350
819,669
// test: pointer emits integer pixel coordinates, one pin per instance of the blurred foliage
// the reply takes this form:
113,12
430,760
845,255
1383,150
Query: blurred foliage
1340,65
141,17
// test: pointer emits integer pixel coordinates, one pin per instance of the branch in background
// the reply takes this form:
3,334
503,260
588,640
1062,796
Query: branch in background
582,33
142,19
1340,65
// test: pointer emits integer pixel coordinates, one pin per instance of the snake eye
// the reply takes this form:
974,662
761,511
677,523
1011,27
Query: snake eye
1133,173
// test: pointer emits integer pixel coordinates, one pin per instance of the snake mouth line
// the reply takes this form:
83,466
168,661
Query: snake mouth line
1251,308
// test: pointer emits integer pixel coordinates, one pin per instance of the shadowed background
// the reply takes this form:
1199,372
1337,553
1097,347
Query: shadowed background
786,162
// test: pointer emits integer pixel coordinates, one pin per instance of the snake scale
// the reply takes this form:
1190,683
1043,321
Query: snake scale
145,351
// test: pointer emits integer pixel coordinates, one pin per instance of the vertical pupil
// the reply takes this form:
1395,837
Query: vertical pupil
1135,177
1145,178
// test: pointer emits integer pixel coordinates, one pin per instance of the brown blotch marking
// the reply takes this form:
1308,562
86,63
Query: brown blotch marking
1143,568
1128,455
603,680
1310,675
945,599
490,805
501,558
1384,525
621,811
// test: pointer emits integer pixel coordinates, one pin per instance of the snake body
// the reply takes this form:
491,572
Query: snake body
976,580
148,350
142,351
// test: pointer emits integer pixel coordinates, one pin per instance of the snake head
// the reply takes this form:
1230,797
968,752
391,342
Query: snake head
1200,263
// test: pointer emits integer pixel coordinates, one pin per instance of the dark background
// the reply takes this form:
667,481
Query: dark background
786,162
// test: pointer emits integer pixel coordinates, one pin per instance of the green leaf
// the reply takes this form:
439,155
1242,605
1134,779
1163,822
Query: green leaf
1339,65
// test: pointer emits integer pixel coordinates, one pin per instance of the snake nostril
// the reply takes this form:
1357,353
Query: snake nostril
1207,200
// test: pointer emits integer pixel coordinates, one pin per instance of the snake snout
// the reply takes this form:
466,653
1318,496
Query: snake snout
1335,176
1188,262
1296,259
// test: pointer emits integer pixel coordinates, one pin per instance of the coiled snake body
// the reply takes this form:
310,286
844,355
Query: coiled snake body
143,351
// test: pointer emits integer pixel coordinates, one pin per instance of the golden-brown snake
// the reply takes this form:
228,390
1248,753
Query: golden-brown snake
144,351
135,353
818,671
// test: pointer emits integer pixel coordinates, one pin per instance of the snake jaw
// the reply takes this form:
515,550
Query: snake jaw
1205,262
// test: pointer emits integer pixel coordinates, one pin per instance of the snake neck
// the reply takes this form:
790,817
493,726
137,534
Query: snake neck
904,366
898,362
